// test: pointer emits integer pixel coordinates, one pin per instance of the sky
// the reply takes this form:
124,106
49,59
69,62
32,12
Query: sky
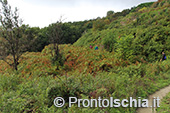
41,13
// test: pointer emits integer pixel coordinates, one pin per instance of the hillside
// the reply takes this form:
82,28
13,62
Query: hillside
125,65
38,81
140,34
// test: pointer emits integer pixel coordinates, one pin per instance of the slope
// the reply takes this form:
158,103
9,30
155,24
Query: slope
142,33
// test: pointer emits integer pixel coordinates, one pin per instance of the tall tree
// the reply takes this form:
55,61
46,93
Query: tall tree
55,34
13,42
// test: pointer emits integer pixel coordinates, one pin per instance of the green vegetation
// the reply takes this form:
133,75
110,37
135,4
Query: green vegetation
71,33
165,108
142,34
126,65
37,81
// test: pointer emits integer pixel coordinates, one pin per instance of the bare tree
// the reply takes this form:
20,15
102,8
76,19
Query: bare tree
12,42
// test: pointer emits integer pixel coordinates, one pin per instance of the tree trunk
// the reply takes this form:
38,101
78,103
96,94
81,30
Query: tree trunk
15,65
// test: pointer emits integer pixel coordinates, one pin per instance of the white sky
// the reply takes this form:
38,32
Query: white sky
41,13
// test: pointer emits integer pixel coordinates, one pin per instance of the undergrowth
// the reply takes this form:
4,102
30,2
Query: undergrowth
36,84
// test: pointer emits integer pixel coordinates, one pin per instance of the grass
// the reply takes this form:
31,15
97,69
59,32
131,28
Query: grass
164,106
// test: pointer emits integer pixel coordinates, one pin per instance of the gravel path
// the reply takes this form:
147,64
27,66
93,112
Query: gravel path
161,93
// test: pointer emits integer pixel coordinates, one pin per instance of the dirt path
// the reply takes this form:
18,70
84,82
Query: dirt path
161,93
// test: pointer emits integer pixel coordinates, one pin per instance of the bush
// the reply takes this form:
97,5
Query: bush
65,89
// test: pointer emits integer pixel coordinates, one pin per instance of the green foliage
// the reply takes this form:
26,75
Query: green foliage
32,34
92,37
98,25
130,68
36,92
109,13
143,9
148,28
71,33
9,83
124,47
68,87
149,4
13,42
164,106
58,60
109,41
